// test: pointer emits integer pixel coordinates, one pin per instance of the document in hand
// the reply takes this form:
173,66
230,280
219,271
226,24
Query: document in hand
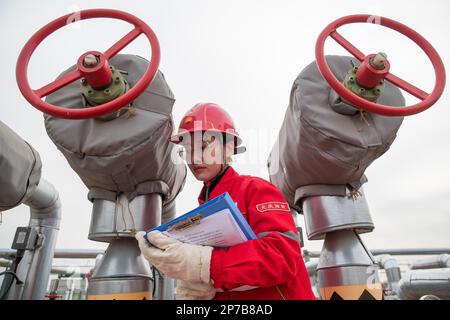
216,223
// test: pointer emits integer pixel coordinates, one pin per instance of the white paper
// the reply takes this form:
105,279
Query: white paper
217,230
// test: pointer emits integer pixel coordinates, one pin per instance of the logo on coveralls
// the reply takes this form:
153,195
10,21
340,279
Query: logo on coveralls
273,206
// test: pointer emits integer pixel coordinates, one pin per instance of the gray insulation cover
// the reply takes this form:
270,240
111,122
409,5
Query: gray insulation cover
130,155
20,169
324,146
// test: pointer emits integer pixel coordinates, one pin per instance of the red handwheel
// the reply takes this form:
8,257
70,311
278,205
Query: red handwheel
427,99
96,76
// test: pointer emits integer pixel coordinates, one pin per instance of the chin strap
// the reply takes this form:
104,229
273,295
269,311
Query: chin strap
218,176
223,166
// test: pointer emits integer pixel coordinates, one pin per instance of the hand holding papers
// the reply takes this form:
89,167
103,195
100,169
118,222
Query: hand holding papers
216,223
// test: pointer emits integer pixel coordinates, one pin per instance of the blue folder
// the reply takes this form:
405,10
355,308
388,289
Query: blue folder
217,204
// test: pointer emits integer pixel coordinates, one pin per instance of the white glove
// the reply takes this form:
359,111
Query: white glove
187,290
183,261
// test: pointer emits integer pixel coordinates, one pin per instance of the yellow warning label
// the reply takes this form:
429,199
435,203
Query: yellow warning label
145,295
353,292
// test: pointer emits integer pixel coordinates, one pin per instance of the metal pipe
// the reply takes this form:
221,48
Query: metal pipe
394,252
34,267
165,286
60,253
7,253
78,253
311,267
65,271
4,263
440,261
417,284
390,265
92,253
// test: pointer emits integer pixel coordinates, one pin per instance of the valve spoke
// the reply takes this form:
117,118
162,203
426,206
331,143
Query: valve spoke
122,43
58,83
408,87
347,45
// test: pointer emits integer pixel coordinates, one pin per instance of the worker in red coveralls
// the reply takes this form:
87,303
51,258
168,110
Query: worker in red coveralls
270,267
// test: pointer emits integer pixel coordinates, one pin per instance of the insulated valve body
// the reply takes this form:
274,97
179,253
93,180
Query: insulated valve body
346,269
126,162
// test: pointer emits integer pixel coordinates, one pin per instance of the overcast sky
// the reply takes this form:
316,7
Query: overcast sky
245,55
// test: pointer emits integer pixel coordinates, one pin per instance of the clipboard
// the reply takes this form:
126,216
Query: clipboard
223,224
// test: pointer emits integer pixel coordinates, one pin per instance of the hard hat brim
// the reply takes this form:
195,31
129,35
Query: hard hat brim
178,138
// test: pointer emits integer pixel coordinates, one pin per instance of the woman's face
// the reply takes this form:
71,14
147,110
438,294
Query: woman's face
205,155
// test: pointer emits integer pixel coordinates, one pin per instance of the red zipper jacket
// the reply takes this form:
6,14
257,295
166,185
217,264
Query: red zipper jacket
270,267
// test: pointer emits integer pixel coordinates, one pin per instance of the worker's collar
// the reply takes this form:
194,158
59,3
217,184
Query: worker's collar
211,183
228,174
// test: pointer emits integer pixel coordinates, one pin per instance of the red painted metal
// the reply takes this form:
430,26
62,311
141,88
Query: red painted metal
98,76
428,99
34,97
368,76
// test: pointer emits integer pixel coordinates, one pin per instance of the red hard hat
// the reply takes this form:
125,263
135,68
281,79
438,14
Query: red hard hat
206,117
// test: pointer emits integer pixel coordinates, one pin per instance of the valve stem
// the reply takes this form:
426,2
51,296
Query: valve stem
379,61
90,61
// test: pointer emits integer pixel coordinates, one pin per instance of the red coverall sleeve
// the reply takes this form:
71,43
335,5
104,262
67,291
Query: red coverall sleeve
271,259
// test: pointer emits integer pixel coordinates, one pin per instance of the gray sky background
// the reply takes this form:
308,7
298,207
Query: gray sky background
245,55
